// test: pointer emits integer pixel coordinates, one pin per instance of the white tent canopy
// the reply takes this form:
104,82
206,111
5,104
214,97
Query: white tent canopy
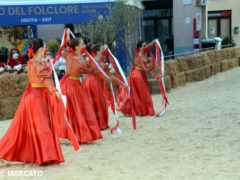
135,3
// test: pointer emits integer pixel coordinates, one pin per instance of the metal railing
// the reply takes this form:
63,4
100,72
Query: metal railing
188,53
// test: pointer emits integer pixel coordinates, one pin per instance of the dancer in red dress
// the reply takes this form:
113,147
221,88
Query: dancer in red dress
140,92
32,136
80,113
96,86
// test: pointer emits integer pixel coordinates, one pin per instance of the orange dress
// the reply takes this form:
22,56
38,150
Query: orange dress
80,112
141,99
32,136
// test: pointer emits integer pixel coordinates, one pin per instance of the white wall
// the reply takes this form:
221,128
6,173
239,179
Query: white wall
234,5
47,32
183,30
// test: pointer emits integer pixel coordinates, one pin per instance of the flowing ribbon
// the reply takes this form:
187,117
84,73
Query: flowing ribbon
160,60
118,69
72,136
63,43
116,127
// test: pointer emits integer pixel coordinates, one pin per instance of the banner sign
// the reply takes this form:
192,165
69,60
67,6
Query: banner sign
53,13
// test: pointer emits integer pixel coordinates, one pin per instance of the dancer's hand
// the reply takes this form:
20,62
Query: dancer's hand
157,114
58,94
105,46
158,77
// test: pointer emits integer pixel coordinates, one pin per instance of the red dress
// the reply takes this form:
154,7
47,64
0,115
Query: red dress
32,136
95,86
141,99
80,113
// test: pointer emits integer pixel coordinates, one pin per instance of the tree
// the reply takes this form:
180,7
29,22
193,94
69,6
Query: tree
106,30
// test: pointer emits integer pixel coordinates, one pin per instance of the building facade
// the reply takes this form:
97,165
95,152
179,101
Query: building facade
183,20
223,19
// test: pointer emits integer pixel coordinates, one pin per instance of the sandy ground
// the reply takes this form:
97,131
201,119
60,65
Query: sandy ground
197,138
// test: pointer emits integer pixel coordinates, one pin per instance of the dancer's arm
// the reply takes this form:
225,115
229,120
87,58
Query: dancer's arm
148,46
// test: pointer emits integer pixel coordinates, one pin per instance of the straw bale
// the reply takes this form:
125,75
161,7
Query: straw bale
171,67
216,68
12,85
230,53
202,73
8,107
168,84
182,62
212,55
224,65
217,55
194,61
223,54
205,59
178,79
208,71
236,52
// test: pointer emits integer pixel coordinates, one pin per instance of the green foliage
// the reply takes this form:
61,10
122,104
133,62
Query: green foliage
106,31
4,50
228,41
53,45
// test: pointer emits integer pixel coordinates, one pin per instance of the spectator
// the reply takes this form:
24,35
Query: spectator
61,66
16,61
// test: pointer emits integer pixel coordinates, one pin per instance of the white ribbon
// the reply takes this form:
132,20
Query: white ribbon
162,71
113,94
119,67
64,98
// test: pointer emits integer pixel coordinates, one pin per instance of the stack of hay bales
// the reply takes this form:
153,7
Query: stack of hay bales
236,54
154,86
11,88
228,59
172,73
197,67
194,68
215,62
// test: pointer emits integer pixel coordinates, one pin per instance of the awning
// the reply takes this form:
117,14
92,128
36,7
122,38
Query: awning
29,12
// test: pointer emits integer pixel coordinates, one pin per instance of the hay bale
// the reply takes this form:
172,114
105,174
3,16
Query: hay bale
168,84
195,75
230,64
182,63
202,73
230,53
233,62
188,75
178,79
208,71
171,67
194,61
236,52
154,86
198,74
236,62
223,54
8,107
217,55
12,85
205,59
215,68
224,65
211,55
